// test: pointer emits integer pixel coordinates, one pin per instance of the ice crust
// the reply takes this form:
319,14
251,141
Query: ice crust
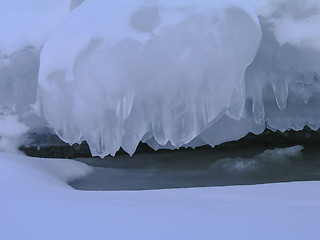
170,73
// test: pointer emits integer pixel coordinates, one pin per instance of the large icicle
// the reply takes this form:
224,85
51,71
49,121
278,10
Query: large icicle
166,68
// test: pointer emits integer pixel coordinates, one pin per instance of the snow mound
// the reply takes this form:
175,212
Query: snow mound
21,172
161,69
11,131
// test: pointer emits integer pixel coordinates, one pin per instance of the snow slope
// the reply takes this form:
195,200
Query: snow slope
37,203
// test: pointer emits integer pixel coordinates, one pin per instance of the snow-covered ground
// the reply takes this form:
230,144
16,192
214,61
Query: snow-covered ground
36,202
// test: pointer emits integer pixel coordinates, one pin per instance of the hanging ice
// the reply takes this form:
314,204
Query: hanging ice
168,73
141,69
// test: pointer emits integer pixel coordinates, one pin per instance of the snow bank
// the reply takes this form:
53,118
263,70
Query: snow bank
37,203
34,174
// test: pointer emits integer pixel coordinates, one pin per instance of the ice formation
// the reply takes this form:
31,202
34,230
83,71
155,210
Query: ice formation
24,28
169,73
279,156
158,69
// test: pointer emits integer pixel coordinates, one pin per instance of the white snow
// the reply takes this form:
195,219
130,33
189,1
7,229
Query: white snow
293,21
37,203
11,127
28,23
169,73
11,130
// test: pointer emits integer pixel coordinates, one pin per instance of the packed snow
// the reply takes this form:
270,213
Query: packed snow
169,73
37,203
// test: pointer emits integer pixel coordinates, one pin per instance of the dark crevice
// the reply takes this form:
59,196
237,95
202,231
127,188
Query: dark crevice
52,147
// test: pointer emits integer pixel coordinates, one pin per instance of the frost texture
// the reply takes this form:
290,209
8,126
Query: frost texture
169,73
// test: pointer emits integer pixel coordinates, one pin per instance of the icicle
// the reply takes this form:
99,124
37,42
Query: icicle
280,88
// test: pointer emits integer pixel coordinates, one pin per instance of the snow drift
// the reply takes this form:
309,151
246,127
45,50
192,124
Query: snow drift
38,203
169,73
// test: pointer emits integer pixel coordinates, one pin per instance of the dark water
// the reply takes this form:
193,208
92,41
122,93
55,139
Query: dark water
202,167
